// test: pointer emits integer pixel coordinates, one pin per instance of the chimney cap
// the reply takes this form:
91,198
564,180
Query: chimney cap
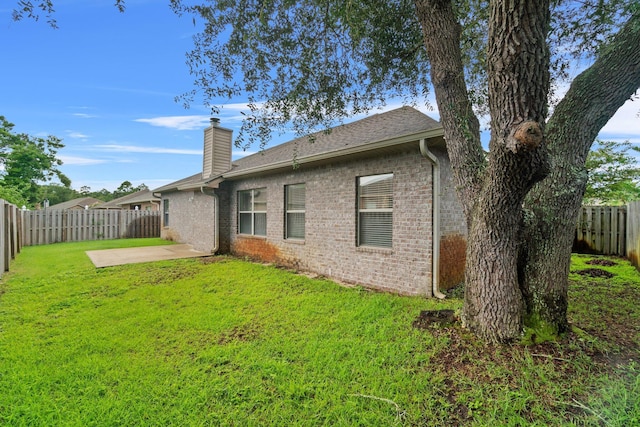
215,121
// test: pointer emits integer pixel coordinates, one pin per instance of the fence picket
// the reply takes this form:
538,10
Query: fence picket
10,235
632,236
602,229
52,226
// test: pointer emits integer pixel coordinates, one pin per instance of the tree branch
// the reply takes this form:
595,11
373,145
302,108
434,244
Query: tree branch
441,35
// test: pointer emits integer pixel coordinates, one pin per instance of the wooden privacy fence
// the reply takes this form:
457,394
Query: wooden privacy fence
10,241
633,233
602,229
73,225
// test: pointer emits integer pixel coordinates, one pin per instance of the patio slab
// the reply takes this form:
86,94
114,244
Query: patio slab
111,257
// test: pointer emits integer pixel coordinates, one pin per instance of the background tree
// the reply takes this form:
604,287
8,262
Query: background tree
13,195
56,193
28,161
104,195
311,63
123,189
127,188
614,174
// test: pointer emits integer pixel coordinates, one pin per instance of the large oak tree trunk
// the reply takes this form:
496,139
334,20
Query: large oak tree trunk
492,190
519,240
552,206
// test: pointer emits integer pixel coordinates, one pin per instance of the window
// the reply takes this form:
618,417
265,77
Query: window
375,210
165,210
252,212
294,199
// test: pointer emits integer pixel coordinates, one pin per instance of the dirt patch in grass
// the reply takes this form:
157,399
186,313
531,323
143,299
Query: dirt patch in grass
213,259
439,318
241,333
156,275
601,261
604,342
475,372
595,272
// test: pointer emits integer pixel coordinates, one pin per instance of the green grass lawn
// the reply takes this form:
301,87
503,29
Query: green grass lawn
221,341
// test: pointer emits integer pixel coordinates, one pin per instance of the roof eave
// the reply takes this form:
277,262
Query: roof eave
208,183
350,151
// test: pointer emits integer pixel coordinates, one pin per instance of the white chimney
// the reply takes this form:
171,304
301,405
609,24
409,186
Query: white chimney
217,149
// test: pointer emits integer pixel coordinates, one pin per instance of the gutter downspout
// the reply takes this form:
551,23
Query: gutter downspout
216,221
435,258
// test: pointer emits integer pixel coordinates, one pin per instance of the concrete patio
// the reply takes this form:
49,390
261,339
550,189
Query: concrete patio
111,257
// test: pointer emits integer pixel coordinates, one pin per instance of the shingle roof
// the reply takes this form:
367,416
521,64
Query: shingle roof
378,127
78,203
184,181
394,124
137,197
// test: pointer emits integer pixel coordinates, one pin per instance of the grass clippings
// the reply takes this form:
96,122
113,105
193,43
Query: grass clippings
221,341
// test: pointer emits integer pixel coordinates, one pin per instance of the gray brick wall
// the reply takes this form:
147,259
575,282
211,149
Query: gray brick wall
191,219
329,247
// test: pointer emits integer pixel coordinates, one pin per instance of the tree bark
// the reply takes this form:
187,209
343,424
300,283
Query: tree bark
492,192
552,206
441,35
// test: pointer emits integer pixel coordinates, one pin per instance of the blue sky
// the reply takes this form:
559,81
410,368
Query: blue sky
105,83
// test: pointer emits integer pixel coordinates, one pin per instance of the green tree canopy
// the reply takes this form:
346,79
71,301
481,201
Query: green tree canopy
28,161
56,193
614,174
127,188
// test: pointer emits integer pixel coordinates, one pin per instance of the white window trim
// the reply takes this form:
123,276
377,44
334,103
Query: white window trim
253,212
165,212
293,211
361,210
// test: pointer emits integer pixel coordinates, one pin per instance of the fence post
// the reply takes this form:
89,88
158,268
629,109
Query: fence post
4,262
633,233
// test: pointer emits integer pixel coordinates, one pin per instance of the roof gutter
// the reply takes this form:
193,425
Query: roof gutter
435,258
386,143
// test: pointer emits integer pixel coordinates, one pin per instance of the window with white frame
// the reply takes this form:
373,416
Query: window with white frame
294,211
252,212
375,210
165,211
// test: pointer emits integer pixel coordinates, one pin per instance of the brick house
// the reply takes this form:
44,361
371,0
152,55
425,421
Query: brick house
358,204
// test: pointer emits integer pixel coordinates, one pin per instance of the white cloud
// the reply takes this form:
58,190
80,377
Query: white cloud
625,125
151,150
178,122
76,135
84,115
81,161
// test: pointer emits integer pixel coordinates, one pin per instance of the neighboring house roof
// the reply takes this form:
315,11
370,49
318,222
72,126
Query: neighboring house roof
376,132
189,182
142,196
78,203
